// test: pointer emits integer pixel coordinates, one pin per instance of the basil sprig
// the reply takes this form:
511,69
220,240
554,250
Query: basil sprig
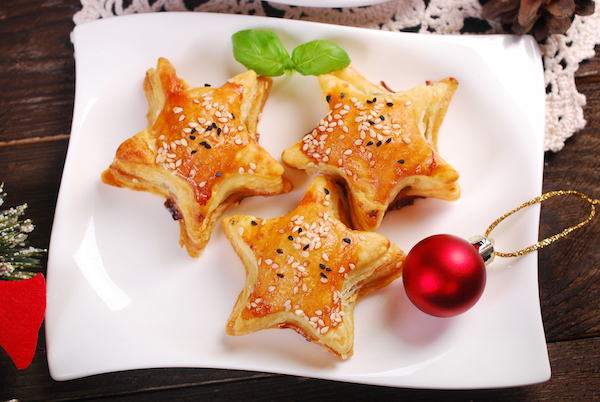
263,52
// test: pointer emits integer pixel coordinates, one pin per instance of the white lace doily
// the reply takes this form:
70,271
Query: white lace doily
561,53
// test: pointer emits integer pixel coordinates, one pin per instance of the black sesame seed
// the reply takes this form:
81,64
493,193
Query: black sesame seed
328,98
194,151
322,266
280,275
291,237
326,191
207,146
323,275
388,140
209,128
219,131
369,143
193,130
389,104
371,122
382,118
347,240
299,230
306,247
328,269
203,143
401,161
342,95
219,174
378,143
206,85
279,251
254,223
369,101
232,116
214,125
374,100
192,137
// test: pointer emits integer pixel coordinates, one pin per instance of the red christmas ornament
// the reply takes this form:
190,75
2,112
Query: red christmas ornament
445,275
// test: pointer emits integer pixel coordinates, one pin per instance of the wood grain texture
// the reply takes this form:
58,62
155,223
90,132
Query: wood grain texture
37,68
570,269
37,81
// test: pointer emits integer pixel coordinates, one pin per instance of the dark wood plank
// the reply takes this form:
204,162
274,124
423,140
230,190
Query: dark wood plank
36,101
31,174
570,269
575,378
589,68
37,69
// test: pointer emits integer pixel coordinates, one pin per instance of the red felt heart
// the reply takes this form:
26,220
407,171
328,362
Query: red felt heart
22,308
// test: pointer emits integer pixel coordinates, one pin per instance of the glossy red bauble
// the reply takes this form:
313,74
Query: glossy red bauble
444,275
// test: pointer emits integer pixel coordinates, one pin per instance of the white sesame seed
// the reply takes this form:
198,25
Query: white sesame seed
241,231
177,109
271,288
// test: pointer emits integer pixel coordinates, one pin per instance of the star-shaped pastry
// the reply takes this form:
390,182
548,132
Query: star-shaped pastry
306,270
199,150
381,145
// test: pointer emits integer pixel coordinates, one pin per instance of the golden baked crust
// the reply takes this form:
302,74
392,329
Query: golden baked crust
199,151
381,145
306,270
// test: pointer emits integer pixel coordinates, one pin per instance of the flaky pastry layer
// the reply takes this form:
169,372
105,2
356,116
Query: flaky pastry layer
381,145
199,150
306,270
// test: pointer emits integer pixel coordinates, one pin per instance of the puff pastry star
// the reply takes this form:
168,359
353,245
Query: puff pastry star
199,150
381,145
307,269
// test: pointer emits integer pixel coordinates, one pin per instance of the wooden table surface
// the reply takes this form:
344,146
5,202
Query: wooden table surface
37,84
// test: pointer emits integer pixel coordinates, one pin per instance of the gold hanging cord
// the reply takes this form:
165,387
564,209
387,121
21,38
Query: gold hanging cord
552,239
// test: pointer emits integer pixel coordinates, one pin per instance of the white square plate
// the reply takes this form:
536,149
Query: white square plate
123,295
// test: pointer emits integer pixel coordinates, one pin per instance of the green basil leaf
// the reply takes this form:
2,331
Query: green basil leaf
261,51
319,57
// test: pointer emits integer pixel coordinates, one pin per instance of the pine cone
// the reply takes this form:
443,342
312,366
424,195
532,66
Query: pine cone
538,17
